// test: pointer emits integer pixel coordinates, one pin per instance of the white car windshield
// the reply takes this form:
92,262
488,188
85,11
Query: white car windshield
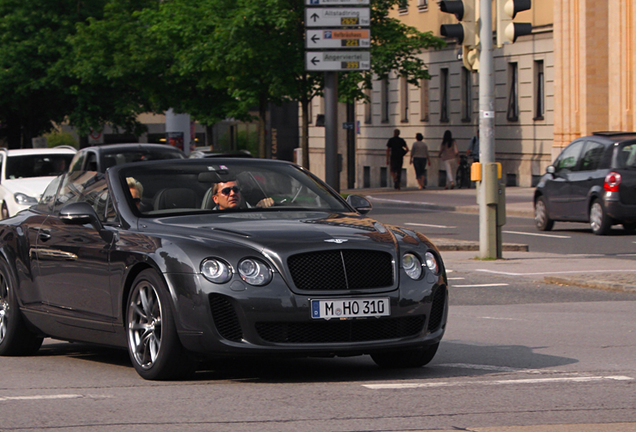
36,165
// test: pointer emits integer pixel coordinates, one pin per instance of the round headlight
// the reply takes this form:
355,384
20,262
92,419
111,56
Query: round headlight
431,263
216,270
412,265
254,272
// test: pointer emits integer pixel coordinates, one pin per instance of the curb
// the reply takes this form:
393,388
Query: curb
599,284
445,245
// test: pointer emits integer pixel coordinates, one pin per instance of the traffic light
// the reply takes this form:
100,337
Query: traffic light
464,11
508,31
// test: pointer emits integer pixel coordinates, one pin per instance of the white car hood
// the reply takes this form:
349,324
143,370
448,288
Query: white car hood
33,186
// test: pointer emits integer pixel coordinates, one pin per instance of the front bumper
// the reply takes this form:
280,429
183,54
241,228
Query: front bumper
238,319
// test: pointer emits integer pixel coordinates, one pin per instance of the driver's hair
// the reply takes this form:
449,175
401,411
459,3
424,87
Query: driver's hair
133,183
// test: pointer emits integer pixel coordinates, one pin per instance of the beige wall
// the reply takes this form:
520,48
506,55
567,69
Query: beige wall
596,64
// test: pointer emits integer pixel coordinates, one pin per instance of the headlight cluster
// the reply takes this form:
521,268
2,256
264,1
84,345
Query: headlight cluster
252,270
413,267
24,199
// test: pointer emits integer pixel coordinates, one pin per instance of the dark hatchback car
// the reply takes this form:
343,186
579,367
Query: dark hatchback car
593,180
179,279
100,158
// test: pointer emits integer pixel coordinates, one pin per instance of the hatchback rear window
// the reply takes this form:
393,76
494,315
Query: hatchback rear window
626,157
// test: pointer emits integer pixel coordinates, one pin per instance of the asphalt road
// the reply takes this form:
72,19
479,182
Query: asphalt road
519,355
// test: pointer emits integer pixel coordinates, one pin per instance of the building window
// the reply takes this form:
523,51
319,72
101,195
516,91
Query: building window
539,90
467,96
513,93
424,100
403,7
422,5
443,97
404,99
384,96
368,104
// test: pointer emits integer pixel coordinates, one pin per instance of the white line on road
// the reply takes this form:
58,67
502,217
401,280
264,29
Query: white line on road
537,234
456,278
428,225
480,285
555,272
397,386
40,397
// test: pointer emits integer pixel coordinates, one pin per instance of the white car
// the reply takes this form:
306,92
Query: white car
25,173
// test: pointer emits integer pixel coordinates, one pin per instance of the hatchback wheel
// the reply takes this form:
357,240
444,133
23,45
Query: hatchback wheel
541,218
15,338
153,343
413,358
600,222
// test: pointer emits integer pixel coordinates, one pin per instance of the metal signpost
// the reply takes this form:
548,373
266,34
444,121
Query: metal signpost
329,29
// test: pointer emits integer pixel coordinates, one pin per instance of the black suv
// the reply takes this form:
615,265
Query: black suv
593,180
100,158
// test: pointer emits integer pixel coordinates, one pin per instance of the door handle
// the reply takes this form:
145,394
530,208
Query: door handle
44,235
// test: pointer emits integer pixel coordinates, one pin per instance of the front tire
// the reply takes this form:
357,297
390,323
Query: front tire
153,342
541,218
412,358
600,222
15,338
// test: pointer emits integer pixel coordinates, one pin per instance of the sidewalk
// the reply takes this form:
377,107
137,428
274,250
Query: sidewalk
593,272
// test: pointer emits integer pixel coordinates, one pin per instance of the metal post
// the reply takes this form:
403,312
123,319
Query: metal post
331,130
487,212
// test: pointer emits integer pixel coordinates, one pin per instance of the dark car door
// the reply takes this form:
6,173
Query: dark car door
557,189
588,175
73,260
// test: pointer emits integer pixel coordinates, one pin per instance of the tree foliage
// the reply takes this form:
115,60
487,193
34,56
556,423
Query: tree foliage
96,62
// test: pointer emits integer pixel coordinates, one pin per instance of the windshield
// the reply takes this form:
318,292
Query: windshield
37,165
238,185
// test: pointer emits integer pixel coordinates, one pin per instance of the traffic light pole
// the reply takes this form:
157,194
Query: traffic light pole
331,130
488,233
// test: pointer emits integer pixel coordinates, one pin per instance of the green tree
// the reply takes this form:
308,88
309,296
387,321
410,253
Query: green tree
34,89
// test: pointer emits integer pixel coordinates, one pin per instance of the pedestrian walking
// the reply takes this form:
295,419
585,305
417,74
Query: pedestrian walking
473,148
420,160
396,148
447,153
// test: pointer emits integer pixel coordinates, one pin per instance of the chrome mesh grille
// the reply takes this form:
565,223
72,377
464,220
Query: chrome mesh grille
345,269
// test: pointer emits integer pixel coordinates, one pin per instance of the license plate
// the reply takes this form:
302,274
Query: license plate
350,308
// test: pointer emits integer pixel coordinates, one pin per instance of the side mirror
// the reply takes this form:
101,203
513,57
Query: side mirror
550,169
359,203
81,213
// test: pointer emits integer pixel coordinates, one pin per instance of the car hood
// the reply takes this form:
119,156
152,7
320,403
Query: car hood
294,232
32,186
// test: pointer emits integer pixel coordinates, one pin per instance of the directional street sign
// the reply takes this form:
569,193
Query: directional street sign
337,17
330,38
337,2
337,60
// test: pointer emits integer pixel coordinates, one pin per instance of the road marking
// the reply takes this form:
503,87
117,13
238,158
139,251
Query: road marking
555,272
40,397
537,234
480,285
398,386
429,225
456,278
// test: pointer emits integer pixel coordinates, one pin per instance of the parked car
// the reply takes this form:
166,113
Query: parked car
25,173
593,180
100,158
310,275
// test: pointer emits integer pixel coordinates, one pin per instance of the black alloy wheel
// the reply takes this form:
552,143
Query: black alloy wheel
541,218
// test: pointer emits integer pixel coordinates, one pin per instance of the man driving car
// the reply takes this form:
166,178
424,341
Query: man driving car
227,195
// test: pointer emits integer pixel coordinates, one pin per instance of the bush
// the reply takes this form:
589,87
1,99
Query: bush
55,139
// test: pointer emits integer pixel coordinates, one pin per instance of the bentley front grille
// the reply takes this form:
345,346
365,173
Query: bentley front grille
341,270
225,318
437,309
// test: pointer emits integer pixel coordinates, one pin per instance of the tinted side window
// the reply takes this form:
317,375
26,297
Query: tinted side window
73,186
569,158
46,201
591,157
626,157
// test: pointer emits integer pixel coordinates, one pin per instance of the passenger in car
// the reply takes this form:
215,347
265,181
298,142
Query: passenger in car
136,190
227,195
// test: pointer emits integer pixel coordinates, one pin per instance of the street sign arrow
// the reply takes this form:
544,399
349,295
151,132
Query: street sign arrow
337,60
337,17
338,38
